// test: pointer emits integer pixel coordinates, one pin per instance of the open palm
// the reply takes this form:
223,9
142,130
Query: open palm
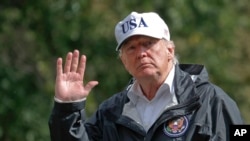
69,80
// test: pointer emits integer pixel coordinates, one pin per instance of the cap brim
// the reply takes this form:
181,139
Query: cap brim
149,34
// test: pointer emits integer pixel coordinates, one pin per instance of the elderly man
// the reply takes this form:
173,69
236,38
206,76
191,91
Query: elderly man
164,101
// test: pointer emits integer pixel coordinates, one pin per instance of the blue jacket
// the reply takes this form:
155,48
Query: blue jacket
204,113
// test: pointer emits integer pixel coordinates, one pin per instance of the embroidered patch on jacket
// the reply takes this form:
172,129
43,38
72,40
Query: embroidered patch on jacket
176,127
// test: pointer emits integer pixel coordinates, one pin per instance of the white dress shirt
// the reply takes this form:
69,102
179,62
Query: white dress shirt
149,111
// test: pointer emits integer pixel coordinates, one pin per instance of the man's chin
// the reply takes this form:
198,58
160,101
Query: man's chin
146,73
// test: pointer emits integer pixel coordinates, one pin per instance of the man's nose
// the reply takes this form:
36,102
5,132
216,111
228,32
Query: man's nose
141,51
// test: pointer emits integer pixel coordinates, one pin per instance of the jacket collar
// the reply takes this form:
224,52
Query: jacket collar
187,77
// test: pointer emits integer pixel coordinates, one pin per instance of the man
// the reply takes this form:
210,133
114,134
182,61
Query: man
164,100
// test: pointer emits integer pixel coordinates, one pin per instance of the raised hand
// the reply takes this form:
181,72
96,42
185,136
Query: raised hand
69,80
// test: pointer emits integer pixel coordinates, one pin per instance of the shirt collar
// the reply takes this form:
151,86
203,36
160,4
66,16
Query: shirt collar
135,91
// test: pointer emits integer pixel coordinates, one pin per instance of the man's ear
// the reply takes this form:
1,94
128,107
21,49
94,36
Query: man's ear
170,52
123,60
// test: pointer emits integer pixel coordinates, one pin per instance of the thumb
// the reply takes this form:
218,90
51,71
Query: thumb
90,85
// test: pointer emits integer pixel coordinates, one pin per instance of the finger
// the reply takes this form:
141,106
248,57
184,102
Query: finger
68,62
82,65
59,70
75,60
91,85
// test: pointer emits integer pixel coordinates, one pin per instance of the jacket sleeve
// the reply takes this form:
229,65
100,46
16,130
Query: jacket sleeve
217,112
66,122
224,112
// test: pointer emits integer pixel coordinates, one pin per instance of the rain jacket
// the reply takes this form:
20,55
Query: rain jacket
204,113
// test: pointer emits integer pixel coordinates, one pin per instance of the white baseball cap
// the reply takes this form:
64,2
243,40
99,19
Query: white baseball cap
148,24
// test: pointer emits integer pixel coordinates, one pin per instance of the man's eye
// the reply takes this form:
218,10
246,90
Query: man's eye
130,47
148,43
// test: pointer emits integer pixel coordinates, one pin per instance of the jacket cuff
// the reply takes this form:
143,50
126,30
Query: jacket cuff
61,101
69,107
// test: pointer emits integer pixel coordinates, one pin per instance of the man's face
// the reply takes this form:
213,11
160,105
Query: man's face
147,57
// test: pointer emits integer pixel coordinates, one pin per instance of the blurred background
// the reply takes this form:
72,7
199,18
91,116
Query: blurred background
33,33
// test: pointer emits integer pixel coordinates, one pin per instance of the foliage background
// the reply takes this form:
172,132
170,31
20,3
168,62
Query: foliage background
34,33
